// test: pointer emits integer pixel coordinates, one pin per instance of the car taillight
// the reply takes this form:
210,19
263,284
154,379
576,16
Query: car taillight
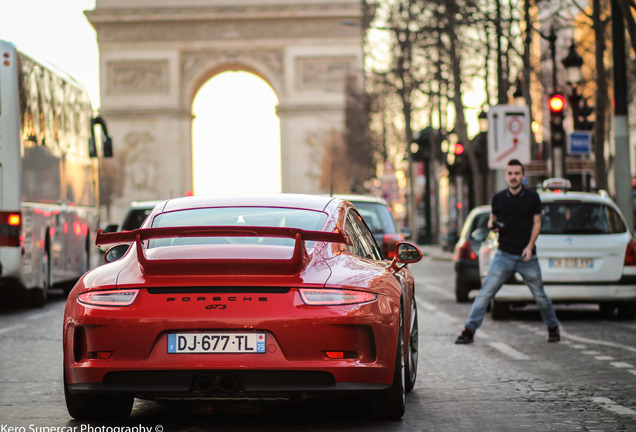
630,254
333,297
463,251
10,226
389,241
108,298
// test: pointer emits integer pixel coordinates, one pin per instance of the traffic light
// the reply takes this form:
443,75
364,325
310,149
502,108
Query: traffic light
456,160
557,134
422,142
584,112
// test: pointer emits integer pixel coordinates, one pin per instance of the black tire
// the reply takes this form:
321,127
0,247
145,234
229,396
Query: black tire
412,353
462,290
607,310
393,400
98,406
627,311
500,310
40,295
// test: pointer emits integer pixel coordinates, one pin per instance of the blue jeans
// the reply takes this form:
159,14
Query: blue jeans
502,266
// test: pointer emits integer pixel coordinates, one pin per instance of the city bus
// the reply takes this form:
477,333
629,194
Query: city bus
49,176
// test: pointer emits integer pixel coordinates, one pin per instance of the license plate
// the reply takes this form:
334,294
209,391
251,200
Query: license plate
187,343
571,262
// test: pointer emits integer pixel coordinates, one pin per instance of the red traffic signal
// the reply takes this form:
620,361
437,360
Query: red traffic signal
557,103
459,148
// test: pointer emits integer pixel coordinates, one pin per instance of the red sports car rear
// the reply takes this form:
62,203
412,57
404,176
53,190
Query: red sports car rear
243,297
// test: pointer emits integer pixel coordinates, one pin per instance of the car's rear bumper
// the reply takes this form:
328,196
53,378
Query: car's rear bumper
224,384
570,293
102,346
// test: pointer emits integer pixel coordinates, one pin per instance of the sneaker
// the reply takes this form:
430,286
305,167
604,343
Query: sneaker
466,337
553,334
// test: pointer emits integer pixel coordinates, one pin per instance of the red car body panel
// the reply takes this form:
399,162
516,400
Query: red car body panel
244,289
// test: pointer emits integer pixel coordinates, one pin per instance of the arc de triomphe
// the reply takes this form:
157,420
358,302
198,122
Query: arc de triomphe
156,54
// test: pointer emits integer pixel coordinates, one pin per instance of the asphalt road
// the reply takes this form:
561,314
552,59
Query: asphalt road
509,379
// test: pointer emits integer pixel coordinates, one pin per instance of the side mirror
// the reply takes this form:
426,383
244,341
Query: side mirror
116,252
405,253
92,148
107,147
480,234
107,142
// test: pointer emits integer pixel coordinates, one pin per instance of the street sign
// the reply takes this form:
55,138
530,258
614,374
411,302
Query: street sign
508,135
579,143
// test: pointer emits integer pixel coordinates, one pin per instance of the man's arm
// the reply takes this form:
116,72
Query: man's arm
536,229
490,222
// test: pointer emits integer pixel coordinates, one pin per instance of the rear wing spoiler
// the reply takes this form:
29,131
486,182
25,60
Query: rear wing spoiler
213,266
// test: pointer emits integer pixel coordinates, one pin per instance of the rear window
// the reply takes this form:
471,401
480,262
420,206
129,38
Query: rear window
580,218
239,216
481,221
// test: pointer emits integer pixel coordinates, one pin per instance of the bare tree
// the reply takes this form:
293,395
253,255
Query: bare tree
360,148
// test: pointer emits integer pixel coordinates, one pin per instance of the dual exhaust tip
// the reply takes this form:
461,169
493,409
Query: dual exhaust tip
206,383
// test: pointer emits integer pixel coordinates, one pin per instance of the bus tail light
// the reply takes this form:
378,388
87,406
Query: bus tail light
10,227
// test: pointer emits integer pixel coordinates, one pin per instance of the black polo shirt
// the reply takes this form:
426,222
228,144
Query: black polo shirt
516,211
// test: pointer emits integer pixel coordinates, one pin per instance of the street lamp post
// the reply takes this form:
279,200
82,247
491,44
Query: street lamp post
572,63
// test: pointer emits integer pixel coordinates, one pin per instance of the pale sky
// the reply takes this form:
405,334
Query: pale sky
236,133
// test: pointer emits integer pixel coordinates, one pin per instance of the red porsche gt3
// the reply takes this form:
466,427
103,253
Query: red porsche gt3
238,297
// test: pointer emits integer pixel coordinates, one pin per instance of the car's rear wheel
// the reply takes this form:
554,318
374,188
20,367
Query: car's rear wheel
387,404
97,406
39,295
627,311
393,401
410,371
500,310
462,290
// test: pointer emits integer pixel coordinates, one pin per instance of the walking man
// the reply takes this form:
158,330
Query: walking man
516,215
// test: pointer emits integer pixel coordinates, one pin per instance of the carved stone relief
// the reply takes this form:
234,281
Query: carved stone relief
223,30
191,62
320,73
140,176
146,76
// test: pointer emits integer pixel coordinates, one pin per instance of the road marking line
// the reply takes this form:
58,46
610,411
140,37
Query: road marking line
426,305
590,353
509,351
622,365
440,290
13,327
602,357
610,405
597,342
43,315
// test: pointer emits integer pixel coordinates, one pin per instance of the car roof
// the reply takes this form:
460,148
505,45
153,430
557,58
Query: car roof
302,201
484,208
575,196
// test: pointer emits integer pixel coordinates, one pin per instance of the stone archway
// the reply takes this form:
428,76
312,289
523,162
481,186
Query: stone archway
236,134
155,55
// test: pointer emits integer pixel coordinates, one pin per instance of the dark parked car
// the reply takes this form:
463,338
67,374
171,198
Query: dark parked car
134,217
466,253
377,214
